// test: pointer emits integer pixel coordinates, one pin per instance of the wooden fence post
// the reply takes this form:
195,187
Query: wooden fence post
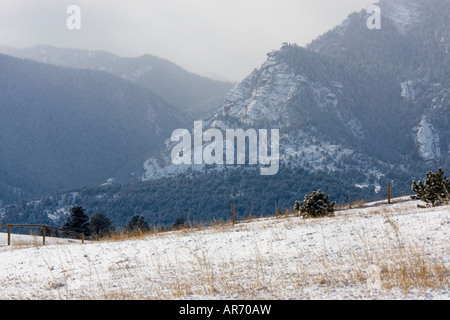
232,213
44,231
349,200
389,193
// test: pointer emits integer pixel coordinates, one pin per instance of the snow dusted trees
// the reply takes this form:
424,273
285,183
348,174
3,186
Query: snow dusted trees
315,204
435,191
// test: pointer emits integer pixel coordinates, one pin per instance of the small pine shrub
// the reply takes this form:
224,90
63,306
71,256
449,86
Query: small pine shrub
137,225
315,204
434,191
179,224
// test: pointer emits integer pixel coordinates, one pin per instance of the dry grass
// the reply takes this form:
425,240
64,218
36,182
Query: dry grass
402,264
384,258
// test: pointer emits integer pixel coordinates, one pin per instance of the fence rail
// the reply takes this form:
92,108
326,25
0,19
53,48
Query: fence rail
43,227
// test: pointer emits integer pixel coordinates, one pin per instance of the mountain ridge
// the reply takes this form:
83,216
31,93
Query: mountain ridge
189,93
373,91
63,128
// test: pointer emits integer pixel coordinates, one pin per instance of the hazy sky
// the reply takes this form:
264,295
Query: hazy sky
224,37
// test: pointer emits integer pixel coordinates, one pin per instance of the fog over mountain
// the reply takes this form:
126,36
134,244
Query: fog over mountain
192,95
357,109
61,128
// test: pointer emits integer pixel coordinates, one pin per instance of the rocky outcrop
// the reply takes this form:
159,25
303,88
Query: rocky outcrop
427,141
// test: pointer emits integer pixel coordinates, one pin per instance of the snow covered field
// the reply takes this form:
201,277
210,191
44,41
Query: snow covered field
375,252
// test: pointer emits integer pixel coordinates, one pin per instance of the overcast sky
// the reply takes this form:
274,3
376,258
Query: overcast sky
224,37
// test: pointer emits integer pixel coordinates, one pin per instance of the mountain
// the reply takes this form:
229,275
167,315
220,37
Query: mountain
356,109
412,50
63,128
375,97
191,94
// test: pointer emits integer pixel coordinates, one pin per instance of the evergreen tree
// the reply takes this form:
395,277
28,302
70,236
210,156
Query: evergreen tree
179,224
315,204
99,224
435,191
78,221
137,224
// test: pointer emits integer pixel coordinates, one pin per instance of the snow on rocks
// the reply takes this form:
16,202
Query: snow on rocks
249,102
408,91
402,13
427,141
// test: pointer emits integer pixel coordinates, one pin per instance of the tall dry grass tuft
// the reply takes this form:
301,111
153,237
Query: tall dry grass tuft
404,262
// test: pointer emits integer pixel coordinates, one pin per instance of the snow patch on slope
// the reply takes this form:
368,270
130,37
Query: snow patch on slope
401,12
277,85
408,91
427,141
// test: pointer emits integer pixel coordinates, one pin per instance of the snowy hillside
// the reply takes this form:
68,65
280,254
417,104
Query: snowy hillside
374,252
278,97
